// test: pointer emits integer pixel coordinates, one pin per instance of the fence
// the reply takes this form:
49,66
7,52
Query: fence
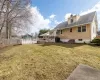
8,42
29,41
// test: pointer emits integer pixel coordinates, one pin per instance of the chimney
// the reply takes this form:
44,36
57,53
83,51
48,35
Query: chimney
77,17
73,18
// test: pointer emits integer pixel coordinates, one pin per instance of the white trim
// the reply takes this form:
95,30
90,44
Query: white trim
94,16
93,33
77,40
64,40
83,41
29,41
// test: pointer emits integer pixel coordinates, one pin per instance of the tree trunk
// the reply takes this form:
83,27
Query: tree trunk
7,20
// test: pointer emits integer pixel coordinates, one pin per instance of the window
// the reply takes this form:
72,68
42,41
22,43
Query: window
70,29
40,36
80,39
79,29
58,32
61,31
71,20
83,28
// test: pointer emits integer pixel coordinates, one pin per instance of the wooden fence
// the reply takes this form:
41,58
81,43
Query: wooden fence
8,42
29,41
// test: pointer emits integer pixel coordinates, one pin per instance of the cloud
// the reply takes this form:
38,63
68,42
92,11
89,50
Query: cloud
57,22
67,16
54,21
39,22
96,8
52,16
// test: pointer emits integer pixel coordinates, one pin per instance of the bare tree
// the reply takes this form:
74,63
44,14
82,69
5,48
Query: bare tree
14,16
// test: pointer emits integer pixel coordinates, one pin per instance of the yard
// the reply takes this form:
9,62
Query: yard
45,61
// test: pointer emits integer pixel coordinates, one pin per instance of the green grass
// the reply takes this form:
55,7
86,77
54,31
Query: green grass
46,61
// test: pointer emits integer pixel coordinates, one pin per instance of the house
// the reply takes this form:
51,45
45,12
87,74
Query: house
47,37
78,29
27,36
28,39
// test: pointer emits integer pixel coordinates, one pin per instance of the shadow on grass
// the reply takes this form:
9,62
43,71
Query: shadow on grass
94,45
66,45
4,57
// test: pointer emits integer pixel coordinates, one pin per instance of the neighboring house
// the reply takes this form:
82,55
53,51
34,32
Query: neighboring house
48,37
27,36
28,39
78,29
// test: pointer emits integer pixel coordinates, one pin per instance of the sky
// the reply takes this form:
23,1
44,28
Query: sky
48,13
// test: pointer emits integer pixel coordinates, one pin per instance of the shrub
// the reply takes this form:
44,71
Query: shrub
96,42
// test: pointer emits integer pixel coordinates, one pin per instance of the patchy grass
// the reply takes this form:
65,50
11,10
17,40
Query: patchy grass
45,62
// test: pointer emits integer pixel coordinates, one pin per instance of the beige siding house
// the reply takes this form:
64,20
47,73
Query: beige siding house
78,29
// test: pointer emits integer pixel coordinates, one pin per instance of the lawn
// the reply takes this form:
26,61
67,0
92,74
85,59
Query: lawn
45,61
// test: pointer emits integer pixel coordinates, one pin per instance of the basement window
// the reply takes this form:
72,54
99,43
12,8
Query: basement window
80,39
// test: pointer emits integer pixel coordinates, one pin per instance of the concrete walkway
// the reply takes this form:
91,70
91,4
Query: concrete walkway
83,72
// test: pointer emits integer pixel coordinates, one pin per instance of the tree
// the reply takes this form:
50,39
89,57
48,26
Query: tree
42,31
14,16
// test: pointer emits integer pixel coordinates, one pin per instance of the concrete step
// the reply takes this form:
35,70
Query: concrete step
84,72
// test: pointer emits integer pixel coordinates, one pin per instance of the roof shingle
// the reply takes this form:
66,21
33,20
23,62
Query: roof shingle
84,19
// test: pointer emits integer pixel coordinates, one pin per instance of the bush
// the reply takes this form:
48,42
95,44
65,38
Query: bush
96,42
